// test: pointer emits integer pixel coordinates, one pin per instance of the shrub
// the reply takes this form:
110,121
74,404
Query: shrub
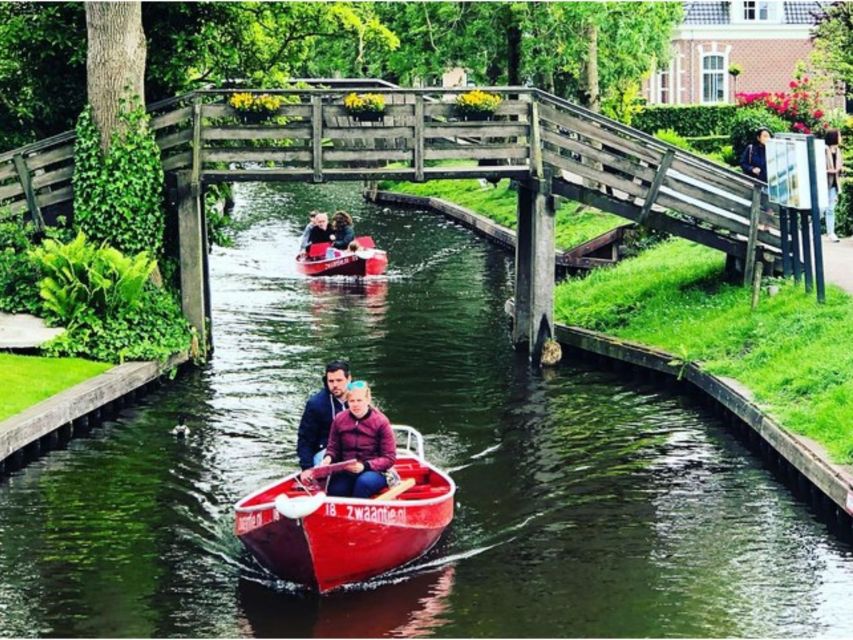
690,120
709,144
748,120
18,275
670,136
118,196
82,280
844,209
800,108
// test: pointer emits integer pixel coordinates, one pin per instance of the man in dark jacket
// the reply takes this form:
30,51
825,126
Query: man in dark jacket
319,412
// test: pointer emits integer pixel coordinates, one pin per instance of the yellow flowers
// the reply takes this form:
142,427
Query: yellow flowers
255,103
364,103
477,102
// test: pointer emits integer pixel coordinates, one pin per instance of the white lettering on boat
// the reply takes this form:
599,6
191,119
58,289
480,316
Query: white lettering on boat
248,521
330,509
381,515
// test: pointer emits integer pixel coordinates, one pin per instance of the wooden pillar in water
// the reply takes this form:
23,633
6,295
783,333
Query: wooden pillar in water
192,256
534,267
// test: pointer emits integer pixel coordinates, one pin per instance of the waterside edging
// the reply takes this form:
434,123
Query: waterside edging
43,425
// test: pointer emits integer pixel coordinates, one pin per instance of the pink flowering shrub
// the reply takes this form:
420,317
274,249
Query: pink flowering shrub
800,107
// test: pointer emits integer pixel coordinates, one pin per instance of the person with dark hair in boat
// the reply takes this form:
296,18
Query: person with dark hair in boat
343,230
319,412
363,435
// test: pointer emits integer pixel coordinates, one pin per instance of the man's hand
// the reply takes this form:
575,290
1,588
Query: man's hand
306,476
756,170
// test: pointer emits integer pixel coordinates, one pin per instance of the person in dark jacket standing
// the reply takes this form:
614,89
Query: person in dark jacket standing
319,412
363,435
753,160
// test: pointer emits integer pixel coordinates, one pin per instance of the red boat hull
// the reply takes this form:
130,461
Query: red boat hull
347,539
372,263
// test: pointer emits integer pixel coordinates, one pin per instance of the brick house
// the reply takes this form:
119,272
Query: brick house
766,39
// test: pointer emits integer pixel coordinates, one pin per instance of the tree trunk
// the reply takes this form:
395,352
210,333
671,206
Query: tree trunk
592,98
115,62
513,55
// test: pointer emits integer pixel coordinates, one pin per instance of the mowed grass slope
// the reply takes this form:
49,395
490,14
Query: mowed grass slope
794,354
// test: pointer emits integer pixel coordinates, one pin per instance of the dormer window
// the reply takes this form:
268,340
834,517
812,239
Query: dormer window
756,11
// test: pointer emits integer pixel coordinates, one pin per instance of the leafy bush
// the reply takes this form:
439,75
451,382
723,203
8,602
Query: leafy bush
670,136
82,280
364,103
153,330
118,197
477,101
844,209
111,310
748,120
18,275
689,120
708,144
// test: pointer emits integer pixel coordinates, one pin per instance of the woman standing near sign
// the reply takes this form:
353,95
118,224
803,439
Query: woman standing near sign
834,167
753,160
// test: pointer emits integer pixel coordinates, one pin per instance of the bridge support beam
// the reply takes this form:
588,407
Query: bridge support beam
534,267
193,257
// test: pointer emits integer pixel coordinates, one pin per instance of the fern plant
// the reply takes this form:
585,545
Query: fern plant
83,280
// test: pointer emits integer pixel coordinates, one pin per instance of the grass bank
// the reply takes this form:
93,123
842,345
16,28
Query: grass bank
791,352
26,380
575,224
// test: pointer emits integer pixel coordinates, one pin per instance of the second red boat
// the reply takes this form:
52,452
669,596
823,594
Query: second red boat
321,260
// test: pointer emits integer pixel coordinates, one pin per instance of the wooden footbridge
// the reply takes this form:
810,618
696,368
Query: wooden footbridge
550,146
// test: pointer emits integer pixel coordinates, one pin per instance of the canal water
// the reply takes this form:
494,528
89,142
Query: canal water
588,504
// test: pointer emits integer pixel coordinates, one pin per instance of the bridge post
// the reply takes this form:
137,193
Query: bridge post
192,256
534,267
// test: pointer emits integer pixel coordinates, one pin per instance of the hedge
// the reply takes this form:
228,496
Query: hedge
709,144
844,210
688,120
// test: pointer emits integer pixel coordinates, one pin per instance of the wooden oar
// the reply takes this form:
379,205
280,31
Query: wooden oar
397,489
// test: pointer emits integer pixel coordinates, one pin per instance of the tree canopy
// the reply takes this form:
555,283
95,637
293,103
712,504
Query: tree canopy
834,41
189,44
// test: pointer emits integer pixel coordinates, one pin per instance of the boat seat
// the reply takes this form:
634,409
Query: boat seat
396,490
318,249
422,492
365,242
420,474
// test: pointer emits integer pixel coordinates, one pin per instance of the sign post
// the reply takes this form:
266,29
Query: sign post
795,166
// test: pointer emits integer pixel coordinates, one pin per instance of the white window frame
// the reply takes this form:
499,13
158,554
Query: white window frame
773,12
722,73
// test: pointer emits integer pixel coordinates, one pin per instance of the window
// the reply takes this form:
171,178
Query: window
756,11
713,78
664,89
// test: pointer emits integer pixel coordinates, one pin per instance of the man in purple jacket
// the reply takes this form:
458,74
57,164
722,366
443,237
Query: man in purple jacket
363,435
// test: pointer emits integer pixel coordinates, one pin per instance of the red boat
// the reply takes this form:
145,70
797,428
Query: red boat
325,542
323,260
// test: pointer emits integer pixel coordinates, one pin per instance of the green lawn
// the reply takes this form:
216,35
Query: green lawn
792,353
26,380
575,224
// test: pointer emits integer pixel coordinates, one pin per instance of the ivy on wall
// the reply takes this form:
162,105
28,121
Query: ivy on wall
118,196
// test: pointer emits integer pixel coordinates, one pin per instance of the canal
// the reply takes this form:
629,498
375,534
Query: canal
589,504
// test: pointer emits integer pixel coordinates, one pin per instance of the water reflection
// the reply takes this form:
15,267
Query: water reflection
588,504
409,608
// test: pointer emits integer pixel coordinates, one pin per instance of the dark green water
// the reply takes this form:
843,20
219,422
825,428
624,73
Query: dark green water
589,505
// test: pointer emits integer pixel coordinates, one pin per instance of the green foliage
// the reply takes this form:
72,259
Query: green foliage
709,144
691,121
786,351
82,281
834,42
18,275
746,123
219,223
118,196
844,209
670,136
152,330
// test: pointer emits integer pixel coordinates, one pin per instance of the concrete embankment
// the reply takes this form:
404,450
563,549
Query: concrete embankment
802,463
50,423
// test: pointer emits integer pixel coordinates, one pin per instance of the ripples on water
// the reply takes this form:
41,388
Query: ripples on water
589,504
